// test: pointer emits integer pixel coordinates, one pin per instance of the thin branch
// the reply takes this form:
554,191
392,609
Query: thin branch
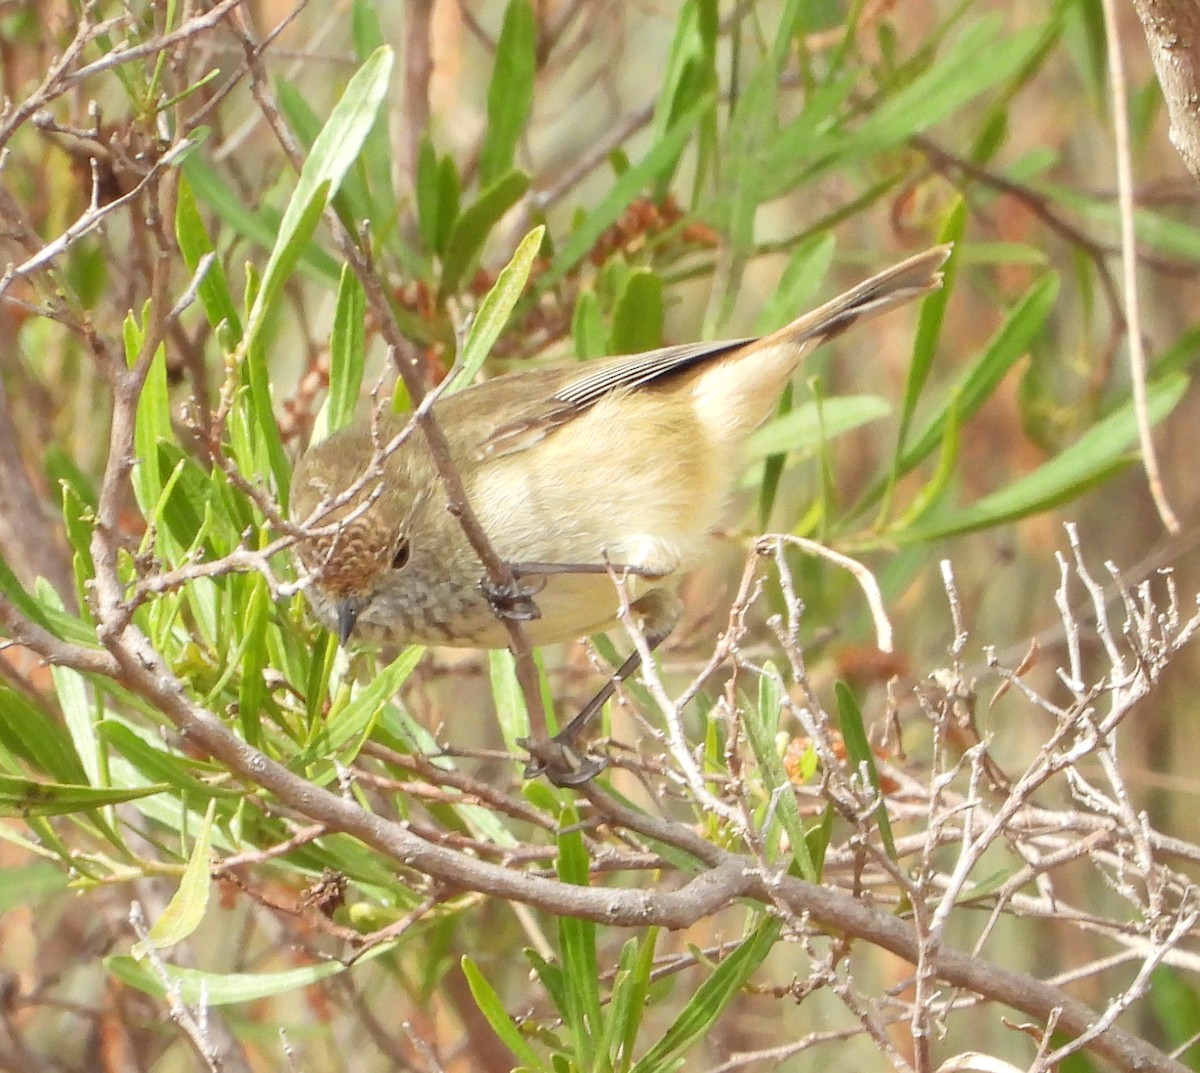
1133,315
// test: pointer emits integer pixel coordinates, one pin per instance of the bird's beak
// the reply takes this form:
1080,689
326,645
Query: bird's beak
347,616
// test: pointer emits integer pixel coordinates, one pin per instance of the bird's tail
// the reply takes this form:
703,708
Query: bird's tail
914,278
737,392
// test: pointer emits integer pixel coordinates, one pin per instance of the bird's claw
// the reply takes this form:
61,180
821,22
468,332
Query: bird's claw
511,601
560,763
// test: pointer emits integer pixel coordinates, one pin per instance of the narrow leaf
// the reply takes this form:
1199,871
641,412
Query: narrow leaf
809,426
655,163
333,152
260,228
638,313
30,734
347,343
345,730
497,1016
711,998
761,727
929,326
1007,346
224,989
510,93
27,797
807,266
495,309
475,223
507,697
1094,457
860,756
186,908
195,244
577,943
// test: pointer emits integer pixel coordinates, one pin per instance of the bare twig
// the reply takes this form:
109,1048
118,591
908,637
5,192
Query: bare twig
1133,315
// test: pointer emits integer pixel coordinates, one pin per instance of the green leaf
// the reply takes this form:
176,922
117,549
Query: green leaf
449,201
365,29
796,18
810,425
1163,233
351,200
153,425
711,998
475,223
427,193
376,157
819,837
493,1009
807,266
252,688
305,124
652,166
638,313
187,906
148,757
195,244
859,756
26,797
931,492
30,884
1008,345
438,196
78,709
929,326
1084,39
262,426
496,308
587,328
1176,1005
1095,456
761,728
326,166
629,999
736,205
510,93
691,73
345,730
550,975
347,353
577,944
260,228
186,490
35,737
47,613
986,55
791,149
224,989
691,48
507,697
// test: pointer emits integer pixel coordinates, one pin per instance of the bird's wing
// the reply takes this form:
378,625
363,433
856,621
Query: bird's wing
593,383
911,278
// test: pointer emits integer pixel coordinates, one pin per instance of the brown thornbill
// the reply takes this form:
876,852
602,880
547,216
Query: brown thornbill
624,462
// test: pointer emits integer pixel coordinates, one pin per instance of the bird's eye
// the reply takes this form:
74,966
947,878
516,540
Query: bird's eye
400,558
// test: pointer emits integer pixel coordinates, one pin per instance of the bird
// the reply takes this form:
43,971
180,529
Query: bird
573,470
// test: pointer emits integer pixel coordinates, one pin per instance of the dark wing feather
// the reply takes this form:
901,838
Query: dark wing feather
594,383
637,370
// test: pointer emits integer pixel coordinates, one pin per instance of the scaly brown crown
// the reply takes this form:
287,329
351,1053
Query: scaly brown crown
349,562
